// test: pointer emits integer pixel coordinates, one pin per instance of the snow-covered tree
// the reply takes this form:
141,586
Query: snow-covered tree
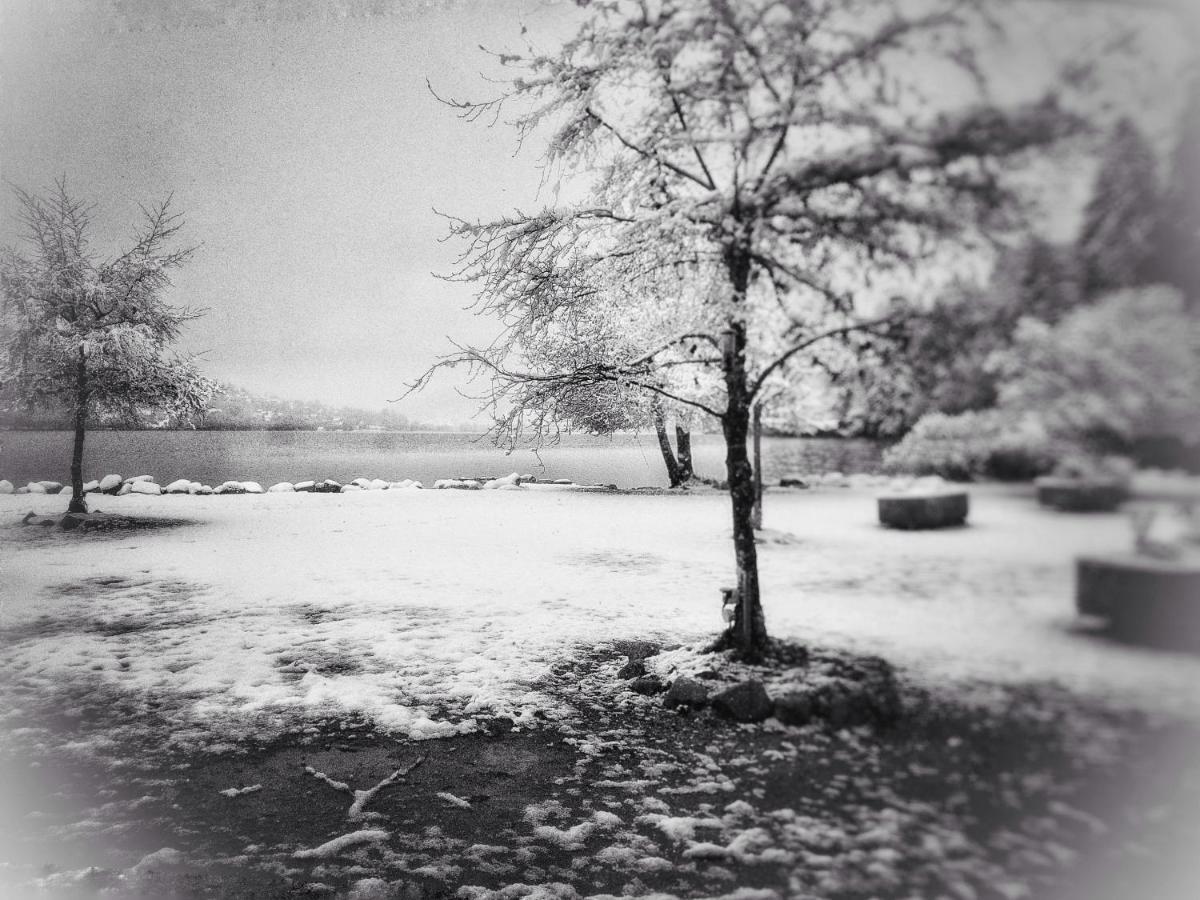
778,164
90,334
1122,369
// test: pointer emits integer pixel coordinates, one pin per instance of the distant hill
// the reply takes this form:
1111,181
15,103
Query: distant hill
237,409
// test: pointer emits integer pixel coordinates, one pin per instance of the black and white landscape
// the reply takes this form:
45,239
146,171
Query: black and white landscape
666,449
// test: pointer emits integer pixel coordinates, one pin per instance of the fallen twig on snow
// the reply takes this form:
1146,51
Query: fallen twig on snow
454,801
362,798
338,844
237,792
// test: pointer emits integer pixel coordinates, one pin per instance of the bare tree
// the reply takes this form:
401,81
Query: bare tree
89,334
753,174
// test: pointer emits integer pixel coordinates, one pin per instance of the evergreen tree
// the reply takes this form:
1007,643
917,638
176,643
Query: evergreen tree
1116,240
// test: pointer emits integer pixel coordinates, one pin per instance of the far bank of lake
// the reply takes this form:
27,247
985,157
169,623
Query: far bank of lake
268,457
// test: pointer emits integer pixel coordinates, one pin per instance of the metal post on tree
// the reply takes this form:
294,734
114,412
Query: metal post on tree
756,515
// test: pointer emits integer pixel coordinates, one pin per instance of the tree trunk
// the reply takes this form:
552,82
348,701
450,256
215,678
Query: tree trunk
78,504
683,448
664,444
749,630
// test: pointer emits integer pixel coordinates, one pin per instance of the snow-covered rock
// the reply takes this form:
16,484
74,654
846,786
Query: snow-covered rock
509,487
23,489
201,489
125,488
90,487
284,487
145,487
406,485
230,487
512,480
304,485
456,484
110,483
51,487
364,483
252,487
135,478
6,486
351,488
378,484
178,486
34,487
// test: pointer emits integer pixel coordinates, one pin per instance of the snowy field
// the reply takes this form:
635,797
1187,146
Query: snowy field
428,610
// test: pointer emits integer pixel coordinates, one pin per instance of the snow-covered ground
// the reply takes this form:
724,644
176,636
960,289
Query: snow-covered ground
426,609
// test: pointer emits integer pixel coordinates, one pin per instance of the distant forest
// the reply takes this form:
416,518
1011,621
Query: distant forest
236,409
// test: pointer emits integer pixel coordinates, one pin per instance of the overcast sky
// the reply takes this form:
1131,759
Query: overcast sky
301,142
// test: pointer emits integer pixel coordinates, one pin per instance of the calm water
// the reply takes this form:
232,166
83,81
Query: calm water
272,456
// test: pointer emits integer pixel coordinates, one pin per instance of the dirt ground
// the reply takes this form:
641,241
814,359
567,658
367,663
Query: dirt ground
996,793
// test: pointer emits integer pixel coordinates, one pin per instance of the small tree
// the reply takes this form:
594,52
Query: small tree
92,335
776,161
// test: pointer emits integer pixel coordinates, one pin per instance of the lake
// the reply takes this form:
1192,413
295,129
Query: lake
272,456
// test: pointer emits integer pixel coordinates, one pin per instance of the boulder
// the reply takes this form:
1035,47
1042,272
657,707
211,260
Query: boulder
914,511
134,478
179,486
90,487
284,487
144,487
635,668
328,486
34,487
110,484
364,483
305,486
526,479
6,486
202,490
637,649
746,701
252,487
795,708
686,692
378,484
351,488
51,487
406,485
125,488
793,481
71,521
24,489
648,685
229,487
